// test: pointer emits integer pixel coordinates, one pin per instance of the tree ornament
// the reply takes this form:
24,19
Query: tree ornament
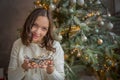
71,10
59,37
78,54
115,42
83,24
96,30
108,14
109,26
98,13
55,1
58,10
91,2
86,57
101,23
81,2
73,1
84,38
100,41
96,55
52,6
98,2
99,18
66,56
37,3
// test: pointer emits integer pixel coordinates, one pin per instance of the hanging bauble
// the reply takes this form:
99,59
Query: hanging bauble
98,13
78,54
55,1
98,2
59,37
66,56
96,30
96,55
101,23
109,26
52,6
100,41
84,38
108,14
115,42
71,10
73,1
81,2
99,18
83,24
37,4
91,2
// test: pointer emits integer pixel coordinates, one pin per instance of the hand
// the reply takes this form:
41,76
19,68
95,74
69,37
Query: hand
48,65
27,65
43,64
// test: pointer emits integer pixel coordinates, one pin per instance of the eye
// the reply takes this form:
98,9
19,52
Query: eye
44,28
35,25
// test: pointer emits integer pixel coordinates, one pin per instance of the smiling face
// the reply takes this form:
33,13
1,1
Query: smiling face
39,29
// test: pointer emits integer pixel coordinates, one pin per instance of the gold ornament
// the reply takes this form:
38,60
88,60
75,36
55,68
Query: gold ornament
66,56
39,4
73,30
79,54
100,41
56,1
86,57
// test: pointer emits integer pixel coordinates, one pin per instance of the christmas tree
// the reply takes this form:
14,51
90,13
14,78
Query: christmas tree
84,28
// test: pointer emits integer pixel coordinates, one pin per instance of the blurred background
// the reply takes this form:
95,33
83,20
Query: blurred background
13,14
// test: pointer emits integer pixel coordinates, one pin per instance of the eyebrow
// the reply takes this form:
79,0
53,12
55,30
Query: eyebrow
41,26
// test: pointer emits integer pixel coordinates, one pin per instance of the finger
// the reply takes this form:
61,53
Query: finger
50,62
42,66
30,66
26,60
35,66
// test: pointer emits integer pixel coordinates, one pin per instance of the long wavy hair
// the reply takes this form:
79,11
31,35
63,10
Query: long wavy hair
26,35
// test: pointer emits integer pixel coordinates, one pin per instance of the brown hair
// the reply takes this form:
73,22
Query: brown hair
26,35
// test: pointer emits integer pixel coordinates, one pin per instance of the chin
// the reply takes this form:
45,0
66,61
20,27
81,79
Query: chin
35,40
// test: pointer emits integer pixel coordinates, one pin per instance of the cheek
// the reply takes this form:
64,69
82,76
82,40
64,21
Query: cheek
44,33
33,30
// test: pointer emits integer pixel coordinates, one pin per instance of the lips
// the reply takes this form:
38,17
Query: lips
35,36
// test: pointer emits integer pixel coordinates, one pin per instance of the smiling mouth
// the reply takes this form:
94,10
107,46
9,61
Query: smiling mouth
35,36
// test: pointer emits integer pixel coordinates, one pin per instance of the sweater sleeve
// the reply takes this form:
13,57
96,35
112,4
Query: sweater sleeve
15,72
58,73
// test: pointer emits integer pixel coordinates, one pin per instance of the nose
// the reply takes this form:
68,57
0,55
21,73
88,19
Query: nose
38,31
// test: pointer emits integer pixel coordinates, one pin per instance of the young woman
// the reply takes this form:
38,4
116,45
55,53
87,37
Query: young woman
36,40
